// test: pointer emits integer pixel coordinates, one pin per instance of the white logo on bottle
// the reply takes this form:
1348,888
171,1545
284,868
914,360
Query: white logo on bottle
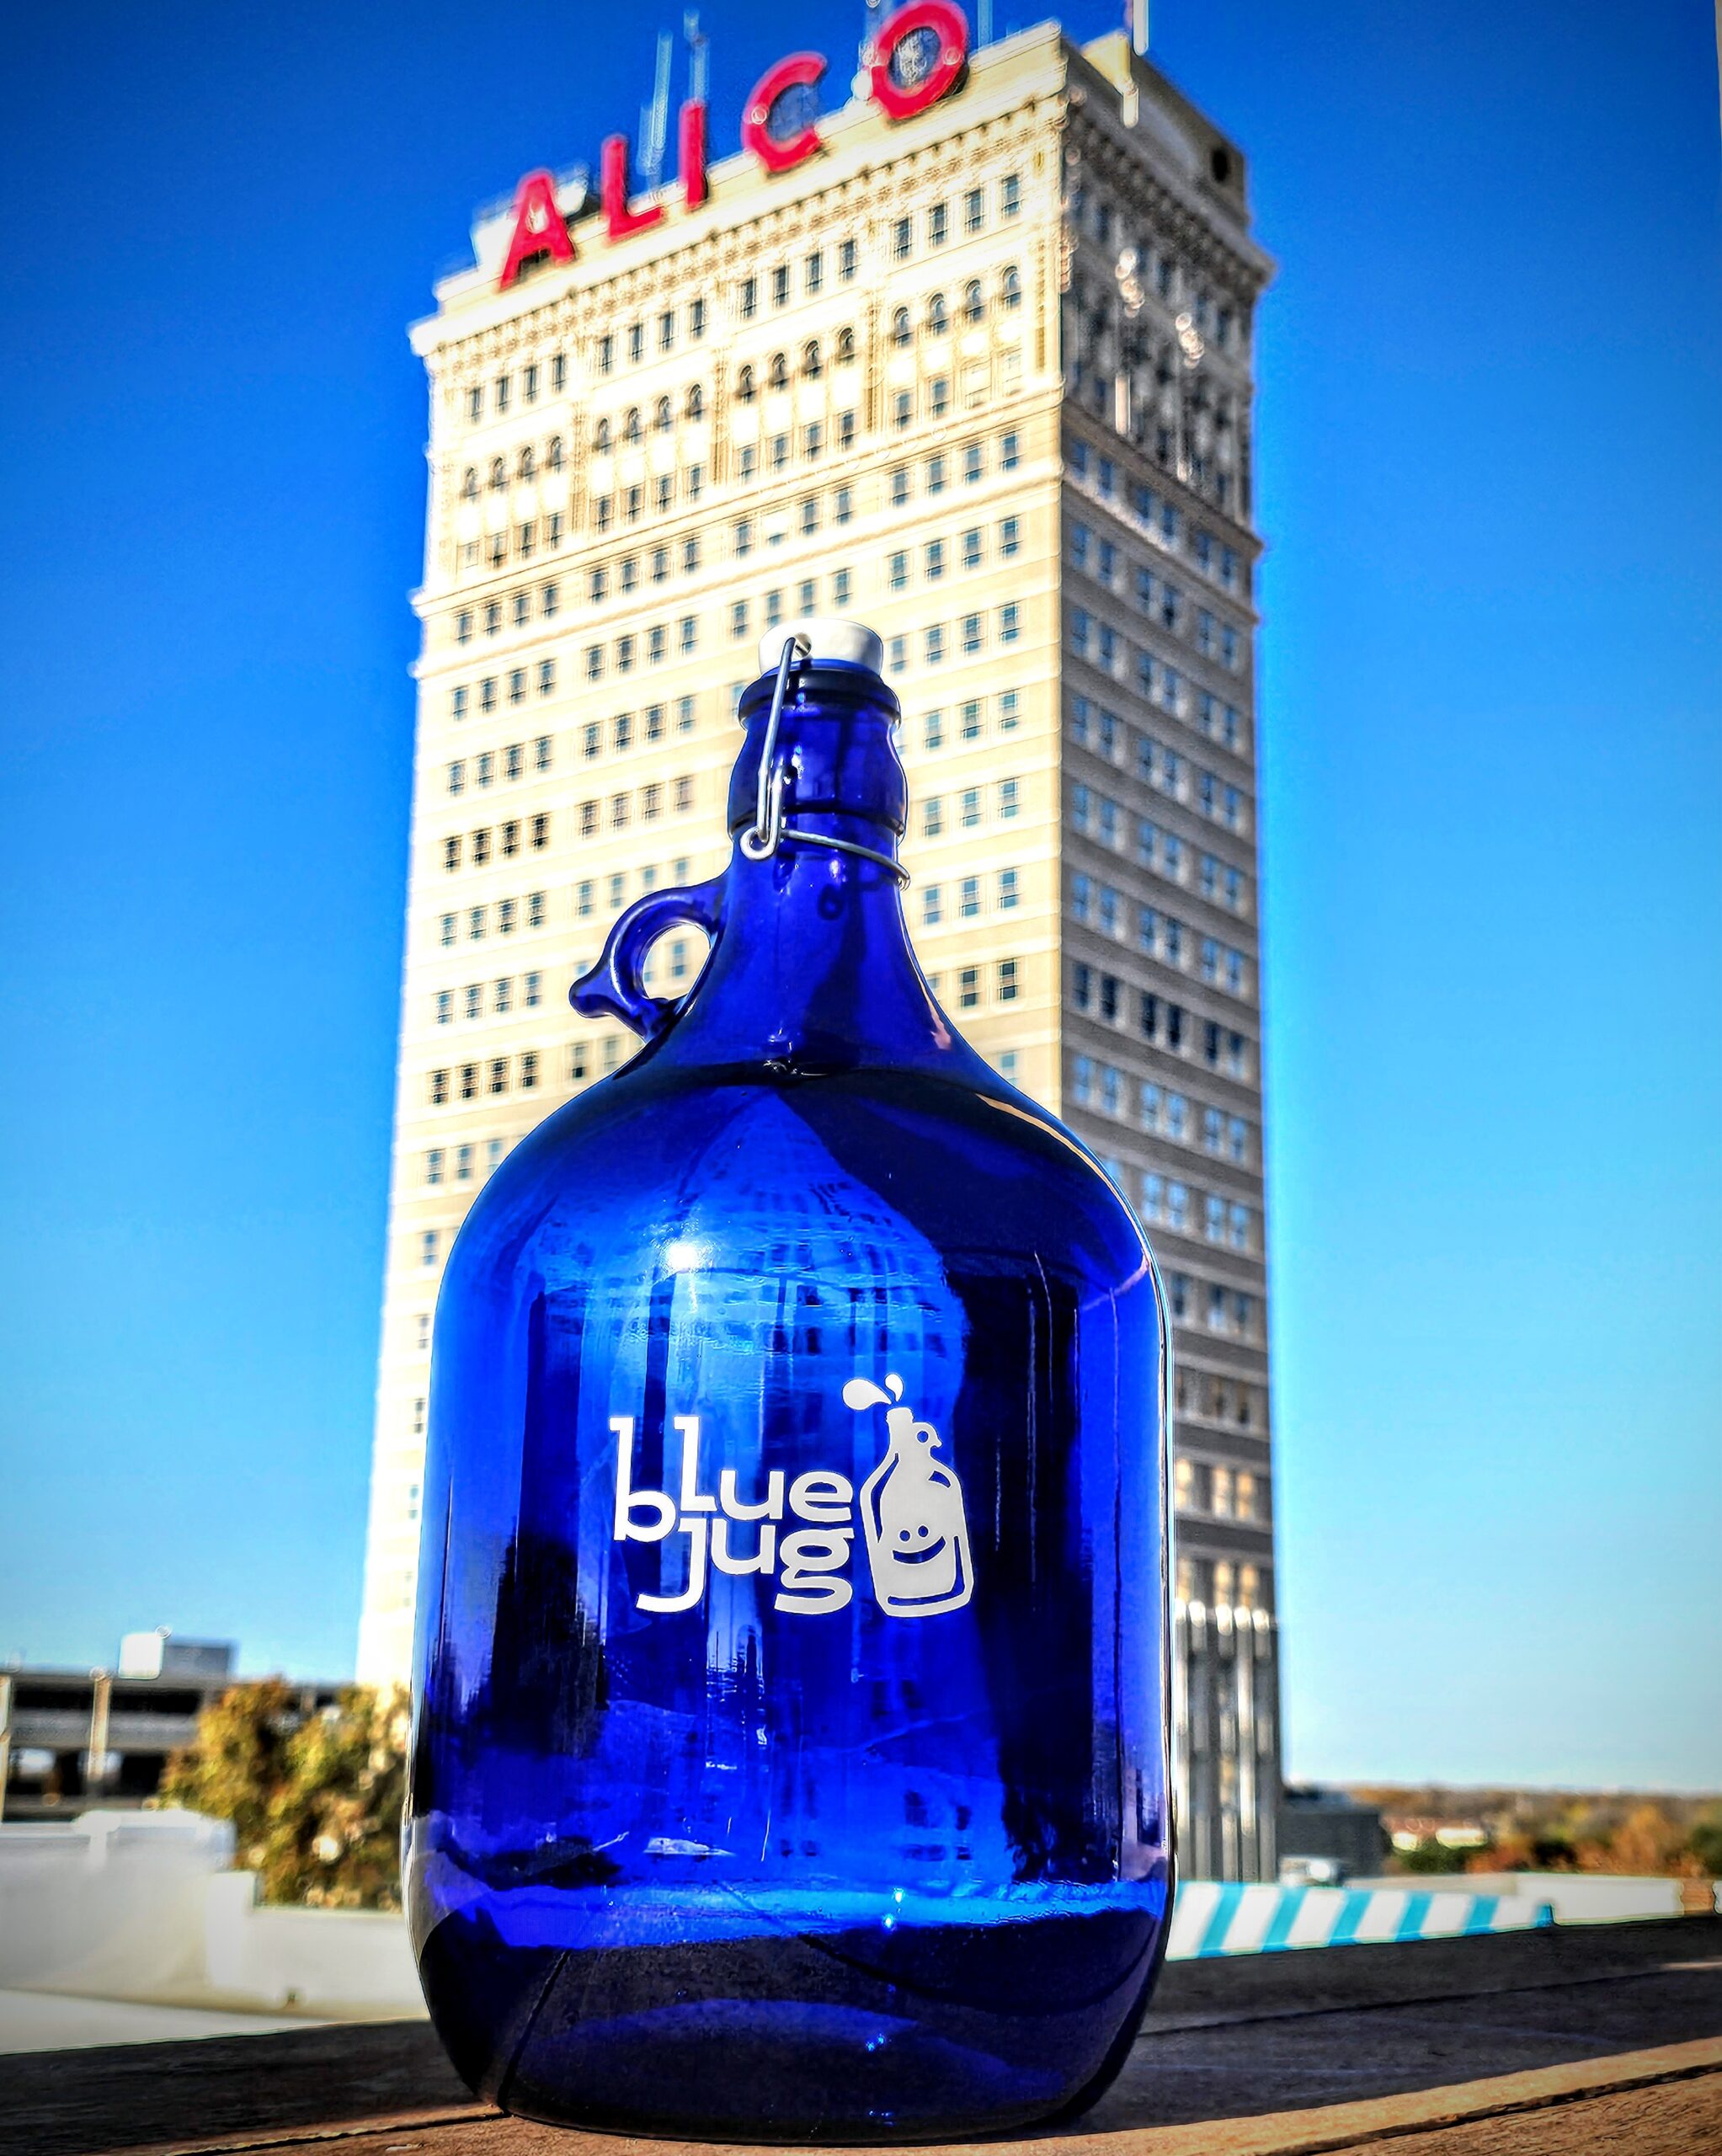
912,1514
911,1508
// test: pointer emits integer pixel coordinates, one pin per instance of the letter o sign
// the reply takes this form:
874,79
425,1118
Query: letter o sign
900,100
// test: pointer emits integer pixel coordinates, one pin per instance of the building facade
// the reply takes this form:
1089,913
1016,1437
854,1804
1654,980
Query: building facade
979,375
99,1740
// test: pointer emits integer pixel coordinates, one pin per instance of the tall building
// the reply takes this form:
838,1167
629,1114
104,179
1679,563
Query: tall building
968,359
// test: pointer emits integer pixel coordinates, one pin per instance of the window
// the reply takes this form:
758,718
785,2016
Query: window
848,259
900,240
1011,537
900,487
1010,623
1009,790
936,645
1009,710
1007,890
1011,287
1010,453
968,987
935,475
1010,194
932,817
932,908
1007,981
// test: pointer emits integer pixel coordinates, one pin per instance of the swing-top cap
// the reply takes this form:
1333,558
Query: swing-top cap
829,640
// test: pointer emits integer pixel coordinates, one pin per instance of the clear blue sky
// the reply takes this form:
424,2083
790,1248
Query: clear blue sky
1489,437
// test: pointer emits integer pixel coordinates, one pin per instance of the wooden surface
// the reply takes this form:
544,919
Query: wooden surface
1536,2043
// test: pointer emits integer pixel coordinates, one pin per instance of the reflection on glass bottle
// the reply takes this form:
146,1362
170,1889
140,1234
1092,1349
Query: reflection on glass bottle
912,1511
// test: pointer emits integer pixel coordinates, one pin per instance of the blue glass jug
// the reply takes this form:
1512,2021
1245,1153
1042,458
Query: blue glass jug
790,1751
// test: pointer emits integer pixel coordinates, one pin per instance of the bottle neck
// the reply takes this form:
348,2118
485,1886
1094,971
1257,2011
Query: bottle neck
811,968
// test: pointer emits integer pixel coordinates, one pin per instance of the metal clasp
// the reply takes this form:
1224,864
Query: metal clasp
768,830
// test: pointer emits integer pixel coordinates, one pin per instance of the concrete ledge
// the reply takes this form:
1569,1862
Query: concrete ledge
1556,2040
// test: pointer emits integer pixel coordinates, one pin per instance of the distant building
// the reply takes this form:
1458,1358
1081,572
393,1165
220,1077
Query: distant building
97,1740
984,377
1330,1826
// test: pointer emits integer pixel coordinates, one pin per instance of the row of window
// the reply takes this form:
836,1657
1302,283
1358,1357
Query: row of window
615,888
936,471
966,639
625,653
1160,518
1222,1493
645,807
1173,774
1160,936
534,378
502,918
773,456
1101,646
938,227
1221,1583
967,552
967,813
1099,817
621,732
970,718
1156,597
517,609
1100,729
490,765
1156,267
1164,524
1100,643
494,1075
1169,1203
1217,1399
1166,1024
1006,984
504,842
1163,1111
1164,1200
479,999
456,1164
1207,1303
965,901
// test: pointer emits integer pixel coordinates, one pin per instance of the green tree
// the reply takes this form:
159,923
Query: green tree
1704,1841
1432,1856
315,1800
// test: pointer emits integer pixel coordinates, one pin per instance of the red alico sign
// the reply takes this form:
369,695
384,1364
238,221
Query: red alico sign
935,32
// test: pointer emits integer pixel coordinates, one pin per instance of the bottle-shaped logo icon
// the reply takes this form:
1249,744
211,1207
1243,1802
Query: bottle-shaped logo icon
912,1514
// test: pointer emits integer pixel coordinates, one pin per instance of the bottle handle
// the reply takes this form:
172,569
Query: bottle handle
614,986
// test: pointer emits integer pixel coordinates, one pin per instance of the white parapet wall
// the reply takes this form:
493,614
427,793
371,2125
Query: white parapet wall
1210,1919
110,1905
1586,1897
349,1963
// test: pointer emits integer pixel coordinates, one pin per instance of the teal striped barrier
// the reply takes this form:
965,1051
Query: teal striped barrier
1209,1918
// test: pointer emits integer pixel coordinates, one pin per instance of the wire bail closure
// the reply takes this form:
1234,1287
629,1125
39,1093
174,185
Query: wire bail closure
768,831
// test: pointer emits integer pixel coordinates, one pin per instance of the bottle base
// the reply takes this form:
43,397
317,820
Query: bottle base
936,2034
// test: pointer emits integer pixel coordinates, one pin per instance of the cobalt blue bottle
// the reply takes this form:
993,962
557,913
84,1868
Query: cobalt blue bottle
791,1756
